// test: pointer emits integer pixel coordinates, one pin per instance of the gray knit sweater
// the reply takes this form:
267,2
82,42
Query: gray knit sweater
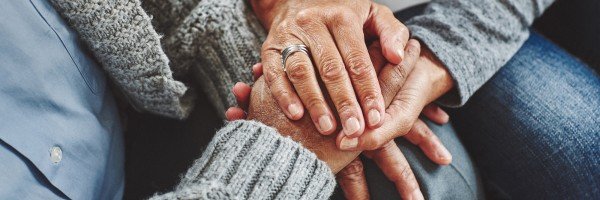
248,160
158,62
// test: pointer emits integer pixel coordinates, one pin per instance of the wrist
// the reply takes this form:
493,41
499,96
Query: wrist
440,78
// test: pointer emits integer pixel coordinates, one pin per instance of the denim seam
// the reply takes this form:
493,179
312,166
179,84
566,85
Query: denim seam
464,179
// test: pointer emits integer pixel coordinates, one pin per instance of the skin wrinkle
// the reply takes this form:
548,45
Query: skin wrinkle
450,48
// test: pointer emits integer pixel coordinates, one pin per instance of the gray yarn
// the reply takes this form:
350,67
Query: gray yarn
249,160
245,159
474,38
212,42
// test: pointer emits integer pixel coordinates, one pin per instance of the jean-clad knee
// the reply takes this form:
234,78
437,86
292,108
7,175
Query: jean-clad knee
534,128
458,180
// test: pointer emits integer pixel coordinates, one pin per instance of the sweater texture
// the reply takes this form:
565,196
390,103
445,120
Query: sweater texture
161,54
158,52
474,38
249,160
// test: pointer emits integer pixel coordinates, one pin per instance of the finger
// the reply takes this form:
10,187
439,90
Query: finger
337,81
377,56
391,32
353,182
434,113
402,113
394,165
242,91
234,113
429,143
301,73
279,85
257,70
350,42
392,77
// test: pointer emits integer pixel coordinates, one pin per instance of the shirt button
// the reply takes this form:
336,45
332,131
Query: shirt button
55,154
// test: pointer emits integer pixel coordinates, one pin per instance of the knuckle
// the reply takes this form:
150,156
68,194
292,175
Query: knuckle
332,70
314,101
304,17
354,168
281,94
342,16
345,105
405,174
399,72
359,66
298,71
370,96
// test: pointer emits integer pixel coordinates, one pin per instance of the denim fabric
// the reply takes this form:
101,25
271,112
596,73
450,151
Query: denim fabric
459,180
534,128
53,95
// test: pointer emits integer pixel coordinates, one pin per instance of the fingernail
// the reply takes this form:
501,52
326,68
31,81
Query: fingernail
352,125
443,154
294,109
374,117
417,195
401,53
325,123
348,143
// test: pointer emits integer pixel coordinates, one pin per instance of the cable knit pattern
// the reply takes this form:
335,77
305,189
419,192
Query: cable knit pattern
248,160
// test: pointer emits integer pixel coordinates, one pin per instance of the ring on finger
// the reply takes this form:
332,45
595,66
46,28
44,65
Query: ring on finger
289,50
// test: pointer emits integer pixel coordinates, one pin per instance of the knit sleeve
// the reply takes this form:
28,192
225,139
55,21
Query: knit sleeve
474,38
248,160
215,44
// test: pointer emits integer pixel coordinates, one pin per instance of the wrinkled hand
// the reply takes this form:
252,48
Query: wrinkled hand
335,33
429,81
388,157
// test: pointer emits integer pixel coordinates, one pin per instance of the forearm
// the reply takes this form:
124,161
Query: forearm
474,38
249,160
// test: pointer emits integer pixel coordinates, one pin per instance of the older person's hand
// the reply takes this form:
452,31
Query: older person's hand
389,157
335,34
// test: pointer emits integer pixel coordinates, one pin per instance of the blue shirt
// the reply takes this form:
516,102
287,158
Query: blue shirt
60,134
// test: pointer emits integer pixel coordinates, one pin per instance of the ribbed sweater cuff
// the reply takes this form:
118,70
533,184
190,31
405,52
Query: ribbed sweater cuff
249,160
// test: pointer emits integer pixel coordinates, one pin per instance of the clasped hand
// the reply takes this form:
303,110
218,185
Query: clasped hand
397,84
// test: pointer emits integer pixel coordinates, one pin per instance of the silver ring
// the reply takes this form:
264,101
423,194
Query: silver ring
289,50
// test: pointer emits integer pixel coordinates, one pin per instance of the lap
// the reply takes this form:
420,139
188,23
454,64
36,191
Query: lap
459,180
533,129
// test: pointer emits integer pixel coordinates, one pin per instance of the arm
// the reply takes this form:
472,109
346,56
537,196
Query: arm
474,38
249,160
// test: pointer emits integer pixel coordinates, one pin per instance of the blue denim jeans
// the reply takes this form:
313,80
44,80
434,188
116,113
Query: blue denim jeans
534,129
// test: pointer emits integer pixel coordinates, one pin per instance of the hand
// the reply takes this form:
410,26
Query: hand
335,33
389,157
417,86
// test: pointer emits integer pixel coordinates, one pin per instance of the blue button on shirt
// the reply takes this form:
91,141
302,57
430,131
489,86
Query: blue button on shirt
60,135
